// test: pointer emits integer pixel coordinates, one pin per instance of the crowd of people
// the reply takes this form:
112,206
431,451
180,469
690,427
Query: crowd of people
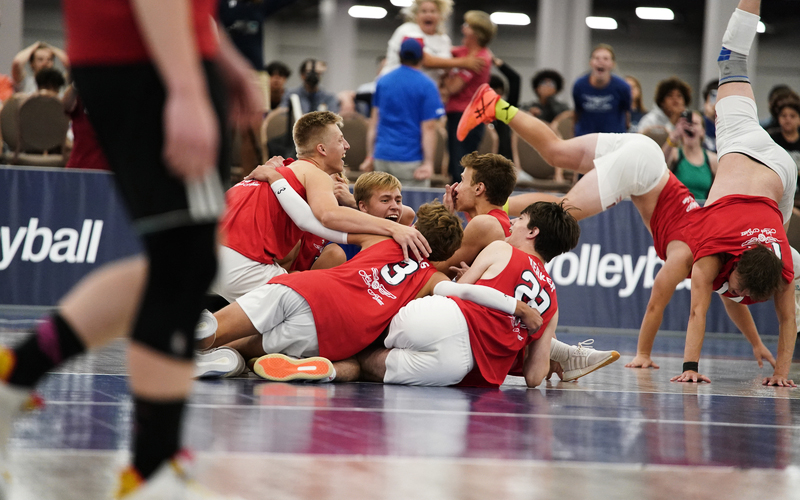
438,303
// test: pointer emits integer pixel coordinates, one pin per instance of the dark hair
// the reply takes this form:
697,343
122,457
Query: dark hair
497,84
50,79
760,272
786,98
42,46
673,83
496,172
558,230
779,88
279,68
309,61
548,74
441,228
712,85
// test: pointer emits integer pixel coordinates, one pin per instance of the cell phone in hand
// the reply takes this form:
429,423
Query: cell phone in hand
687,115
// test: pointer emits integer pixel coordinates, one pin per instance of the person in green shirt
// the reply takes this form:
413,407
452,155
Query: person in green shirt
691,163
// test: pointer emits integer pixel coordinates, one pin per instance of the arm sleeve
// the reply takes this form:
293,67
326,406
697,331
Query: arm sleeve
299,211
479,294
513,83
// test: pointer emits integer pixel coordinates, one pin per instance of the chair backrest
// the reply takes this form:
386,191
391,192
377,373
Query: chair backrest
43,124
9,121
658,134
529,160
565,124
275,124
490,142
354,130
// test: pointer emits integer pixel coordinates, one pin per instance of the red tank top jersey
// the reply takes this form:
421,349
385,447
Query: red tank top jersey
734,224
502,218
353,303
255,224
311,247
497,338
105,32
669,215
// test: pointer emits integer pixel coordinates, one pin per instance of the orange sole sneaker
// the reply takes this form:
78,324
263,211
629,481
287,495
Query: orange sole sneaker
479,110
282,368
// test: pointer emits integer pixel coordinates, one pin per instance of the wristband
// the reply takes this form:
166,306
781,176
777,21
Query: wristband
691,365
670,143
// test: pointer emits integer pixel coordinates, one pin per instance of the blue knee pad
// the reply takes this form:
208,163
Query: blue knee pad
182,264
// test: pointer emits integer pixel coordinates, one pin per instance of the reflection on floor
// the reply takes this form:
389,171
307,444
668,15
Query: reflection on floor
617,433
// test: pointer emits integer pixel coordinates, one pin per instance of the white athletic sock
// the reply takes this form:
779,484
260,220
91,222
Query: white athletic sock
559,351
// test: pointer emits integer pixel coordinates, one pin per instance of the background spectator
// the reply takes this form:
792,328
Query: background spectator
673,95
460,85
710,115
405,113
692,164
775,93
602,100
40,56
637,107
546,85
312,97
86,152
511,95
278,74
50,81
787,135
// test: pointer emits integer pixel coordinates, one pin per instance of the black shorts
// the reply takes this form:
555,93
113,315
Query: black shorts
125,105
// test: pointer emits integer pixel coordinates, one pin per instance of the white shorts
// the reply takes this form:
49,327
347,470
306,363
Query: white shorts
627,165
237,275
429,342
283,318
738,131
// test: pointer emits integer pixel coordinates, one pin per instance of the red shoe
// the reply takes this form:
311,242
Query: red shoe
480,110
281,368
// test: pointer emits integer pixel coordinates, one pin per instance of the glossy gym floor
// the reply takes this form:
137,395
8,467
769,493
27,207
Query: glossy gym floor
617,433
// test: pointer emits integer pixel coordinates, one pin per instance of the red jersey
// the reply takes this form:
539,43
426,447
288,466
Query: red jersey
104,32
255,224
472,80
374,285
496,338
311,247
502,218
669,216
734,224
86,152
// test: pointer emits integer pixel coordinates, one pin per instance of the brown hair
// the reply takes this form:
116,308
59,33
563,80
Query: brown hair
441,228
788,100
637,103
604,46
760,272
673,83
558,229
496,172
310,130
368,183
482,25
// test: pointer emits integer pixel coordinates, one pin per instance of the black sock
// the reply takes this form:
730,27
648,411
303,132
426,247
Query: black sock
54,341
157,429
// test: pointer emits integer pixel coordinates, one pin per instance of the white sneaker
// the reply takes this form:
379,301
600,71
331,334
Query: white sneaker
222,362
206,325
584,359
170,482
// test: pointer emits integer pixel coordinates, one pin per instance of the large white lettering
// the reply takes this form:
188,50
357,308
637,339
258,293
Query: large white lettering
40,243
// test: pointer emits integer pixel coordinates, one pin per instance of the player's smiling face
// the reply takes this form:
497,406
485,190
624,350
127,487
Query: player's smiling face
384,203
336,147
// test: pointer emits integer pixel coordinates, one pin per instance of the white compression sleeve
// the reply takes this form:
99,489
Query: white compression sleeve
481,295
296,207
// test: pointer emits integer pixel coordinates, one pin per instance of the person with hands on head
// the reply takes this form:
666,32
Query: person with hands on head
738,237
688,158
39,55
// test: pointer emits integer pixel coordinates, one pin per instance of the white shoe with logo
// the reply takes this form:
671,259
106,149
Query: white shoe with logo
170,482
584,359
222,362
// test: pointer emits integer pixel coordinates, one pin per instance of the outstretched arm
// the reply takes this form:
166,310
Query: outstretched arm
787,336
20,60
703,273
741,317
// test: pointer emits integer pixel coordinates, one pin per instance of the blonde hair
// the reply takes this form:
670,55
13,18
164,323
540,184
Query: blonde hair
445,9
482,25
368,183
310,130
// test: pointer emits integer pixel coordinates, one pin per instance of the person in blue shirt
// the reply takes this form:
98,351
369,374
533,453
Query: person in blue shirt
406,108
602,100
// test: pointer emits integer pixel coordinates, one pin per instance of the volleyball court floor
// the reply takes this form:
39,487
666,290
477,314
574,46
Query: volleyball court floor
616,433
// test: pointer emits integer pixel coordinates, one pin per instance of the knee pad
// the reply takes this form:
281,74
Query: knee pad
182,264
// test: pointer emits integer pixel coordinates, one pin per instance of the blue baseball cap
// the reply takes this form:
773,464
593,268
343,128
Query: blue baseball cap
411,49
